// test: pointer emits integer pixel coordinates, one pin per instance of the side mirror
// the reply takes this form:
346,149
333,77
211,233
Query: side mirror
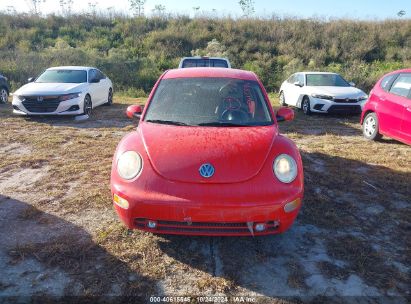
95,80
31,79
285,114
298,84
352,84
134,111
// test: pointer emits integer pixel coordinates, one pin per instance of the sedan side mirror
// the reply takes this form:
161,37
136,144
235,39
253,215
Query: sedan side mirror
285,114
352,84
31,79
95,80
134,111
298,84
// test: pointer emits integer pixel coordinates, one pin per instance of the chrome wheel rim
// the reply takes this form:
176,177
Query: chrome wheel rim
87,106
110,97
370,125
3,95
305,106
282,99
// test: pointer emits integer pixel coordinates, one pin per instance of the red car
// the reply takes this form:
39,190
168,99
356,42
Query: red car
388,109
207,159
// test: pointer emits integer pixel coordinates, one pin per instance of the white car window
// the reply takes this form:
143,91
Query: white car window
91,75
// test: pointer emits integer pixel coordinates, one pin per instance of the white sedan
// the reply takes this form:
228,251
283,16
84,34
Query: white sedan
322,93
68,90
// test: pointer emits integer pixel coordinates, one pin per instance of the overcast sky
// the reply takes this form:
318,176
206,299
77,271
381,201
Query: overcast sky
359,9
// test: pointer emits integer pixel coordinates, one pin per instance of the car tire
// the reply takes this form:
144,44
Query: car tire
87,106
110,97
282,100
370,127
4,95
305,106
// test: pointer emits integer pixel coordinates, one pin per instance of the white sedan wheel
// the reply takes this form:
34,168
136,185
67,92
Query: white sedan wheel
4,96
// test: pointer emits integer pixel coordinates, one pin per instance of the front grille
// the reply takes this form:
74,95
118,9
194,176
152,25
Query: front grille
203,228
346,100
48,104
335,109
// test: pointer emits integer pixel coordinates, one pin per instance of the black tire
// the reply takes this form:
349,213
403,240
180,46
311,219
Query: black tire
87,106
4,95
282,100
110,97
370,127
305,106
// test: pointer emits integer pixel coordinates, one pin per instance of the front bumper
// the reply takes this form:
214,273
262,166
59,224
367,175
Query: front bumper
225,210
329,106
69,107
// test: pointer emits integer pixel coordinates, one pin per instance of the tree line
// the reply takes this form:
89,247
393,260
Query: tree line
134,51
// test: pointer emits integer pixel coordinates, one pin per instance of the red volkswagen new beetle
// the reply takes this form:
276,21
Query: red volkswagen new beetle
388,109
207,159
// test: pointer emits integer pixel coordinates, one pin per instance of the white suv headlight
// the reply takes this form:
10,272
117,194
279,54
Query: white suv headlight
285,168
129,165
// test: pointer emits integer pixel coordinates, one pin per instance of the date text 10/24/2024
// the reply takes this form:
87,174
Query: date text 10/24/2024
203,299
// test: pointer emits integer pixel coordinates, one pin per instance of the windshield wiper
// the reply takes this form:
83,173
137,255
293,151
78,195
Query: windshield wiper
167,122
221,124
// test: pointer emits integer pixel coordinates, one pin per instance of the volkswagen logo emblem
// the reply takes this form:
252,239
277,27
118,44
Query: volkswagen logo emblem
206,170
40,98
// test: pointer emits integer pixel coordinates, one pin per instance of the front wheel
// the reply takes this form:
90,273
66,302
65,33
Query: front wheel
88,105
370,127
305,105
282,100
110,97
4,95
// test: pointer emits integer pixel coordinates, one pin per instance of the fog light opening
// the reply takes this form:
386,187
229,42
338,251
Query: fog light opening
260,227
152,224
121,202
291,206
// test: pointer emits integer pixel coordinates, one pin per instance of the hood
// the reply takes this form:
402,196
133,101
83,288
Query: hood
36,88
177,152
339,92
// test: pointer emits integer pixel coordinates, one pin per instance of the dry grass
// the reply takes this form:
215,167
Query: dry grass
354,190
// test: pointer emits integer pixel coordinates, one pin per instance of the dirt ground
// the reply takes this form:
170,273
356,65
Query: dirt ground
60,237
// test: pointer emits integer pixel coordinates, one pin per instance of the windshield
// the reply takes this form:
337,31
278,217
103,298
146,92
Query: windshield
217,63
63,76
326,80
209,102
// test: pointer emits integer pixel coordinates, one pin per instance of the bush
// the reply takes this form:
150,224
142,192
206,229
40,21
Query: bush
134,52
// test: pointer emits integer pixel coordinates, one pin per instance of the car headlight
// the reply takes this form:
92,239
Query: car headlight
285,168
129,165
69,96
362,98
21,98
321,96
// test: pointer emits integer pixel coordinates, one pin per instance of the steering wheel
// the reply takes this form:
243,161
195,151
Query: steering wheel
231,103
237,115
233,110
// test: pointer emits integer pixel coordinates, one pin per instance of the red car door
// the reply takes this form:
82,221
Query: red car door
391,106
406,120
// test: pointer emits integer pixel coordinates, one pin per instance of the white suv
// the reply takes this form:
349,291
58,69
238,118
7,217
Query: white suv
322,93
194,62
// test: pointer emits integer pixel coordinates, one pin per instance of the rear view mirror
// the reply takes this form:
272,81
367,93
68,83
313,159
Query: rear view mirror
298,84
352,84
31,79
134,111
95,80
285,114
